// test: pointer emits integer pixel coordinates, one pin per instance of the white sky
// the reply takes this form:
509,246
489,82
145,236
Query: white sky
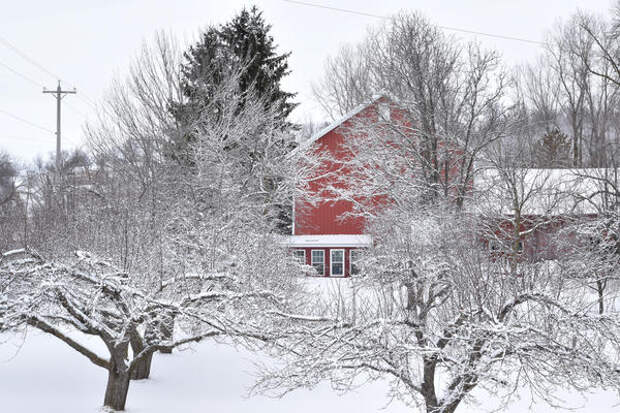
88,43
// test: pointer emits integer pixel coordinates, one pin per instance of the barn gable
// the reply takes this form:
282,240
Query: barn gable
321,237
326,218
335,128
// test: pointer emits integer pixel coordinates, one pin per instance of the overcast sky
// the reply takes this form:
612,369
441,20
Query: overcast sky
88,42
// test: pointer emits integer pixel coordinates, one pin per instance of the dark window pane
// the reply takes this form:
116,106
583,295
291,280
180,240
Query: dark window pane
337,269
319,268
300,256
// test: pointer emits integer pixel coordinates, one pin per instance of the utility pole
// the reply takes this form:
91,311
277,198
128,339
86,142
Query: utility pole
58,94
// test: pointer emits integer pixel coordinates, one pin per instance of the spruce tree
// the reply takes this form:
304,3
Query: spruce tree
244,50
553,150
242,44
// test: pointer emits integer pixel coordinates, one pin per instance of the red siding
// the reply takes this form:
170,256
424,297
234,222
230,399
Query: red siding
324,217
328,217
543,242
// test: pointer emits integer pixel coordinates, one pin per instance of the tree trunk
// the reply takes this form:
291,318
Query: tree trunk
117,388
142,369
600,288
451,408
167,330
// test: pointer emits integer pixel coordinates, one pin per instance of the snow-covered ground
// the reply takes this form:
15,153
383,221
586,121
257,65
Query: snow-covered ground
41,375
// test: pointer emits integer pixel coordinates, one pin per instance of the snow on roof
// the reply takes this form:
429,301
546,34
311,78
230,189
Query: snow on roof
318,135
340,240
549,192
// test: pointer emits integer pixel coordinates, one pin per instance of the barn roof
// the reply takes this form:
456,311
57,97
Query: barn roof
322,132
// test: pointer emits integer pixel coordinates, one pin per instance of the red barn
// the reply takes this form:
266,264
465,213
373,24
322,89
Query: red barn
544,203
327,233
323,236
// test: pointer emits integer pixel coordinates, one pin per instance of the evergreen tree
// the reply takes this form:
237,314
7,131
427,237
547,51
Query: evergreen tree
238,57
553,150
242,47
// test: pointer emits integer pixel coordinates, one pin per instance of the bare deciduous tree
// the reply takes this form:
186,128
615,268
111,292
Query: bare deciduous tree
571,88
452,91
435,311
184,251
12,208
86,294
438,314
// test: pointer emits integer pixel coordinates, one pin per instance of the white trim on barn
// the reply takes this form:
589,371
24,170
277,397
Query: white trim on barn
329,241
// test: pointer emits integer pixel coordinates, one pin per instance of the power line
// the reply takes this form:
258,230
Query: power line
84,98
27,58
26,121
378,16
23,76
76,110
30,60
34,82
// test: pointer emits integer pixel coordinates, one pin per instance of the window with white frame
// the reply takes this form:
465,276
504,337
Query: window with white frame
337,262
318,261
354,258
300,256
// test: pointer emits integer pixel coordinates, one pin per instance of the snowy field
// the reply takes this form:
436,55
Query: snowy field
41,375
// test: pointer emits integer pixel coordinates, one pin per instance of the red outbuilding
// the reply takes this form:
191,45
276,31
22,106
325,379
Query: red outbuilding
323,235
